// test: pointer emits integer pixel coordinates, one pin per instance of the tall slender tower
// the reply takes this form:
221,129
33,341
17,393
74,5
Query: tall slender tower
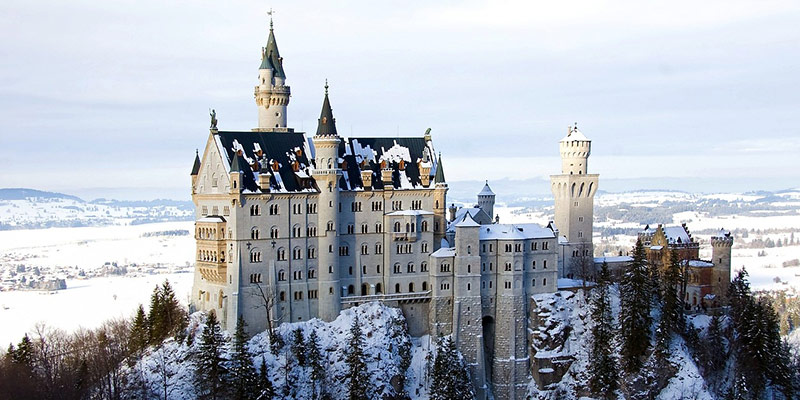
440,205
271,93
327,174
721,245
574,191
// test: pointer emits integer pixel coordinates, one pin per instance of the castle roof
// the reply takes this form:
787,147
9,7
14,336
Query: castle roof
477,214
515,232
574,134
467,222
271,59
326,124
291,154
439,171
196,166
486,191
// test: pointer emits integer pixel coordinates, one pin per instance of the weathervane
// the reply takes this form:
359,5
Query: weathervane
326,86
270,12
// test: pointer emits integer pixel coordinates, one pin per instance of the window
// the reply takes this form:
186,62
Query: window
533,246
533,264
423,267
273,232
281,275
312,274
378,248
576,204
281,254
508,248
255,256
469,269
364,269
297,208
311,253
377,206
297,253
508,266
411,287
255,278
273,209
364,228
297,275
544,245
507,284
282,296
378,269
469,249
424,247
311,208
254,210
424,226
397,226
544,281
350,270
296,232
364,248
355,206
330,226
226,210
533,282
445,267
311,231
312,294
518,247
344,250
444,286
351,229
580,219
397,288
491,247
544,264
580,234
378,228
410,268
397,268
397,205
298,295
378,288
424,286
254,234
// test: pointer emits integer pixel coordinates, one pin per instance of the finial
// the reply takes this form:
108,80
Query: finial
197,152
326,86
576,125
270,12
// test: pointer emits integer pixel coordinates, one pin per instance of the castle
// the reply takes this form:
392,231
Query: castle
290,228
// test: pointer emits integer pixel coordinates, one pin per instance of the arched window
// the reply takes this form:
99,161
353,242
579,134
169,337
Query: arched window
273,232
424,286
364,289
378,288
397,288
469,268
254,233
411,287
424,226
281,254
281,275
397,226
350,289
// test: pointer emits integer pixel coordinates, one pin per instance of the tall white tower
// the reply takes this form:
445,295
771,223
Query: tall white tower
271,93
574,191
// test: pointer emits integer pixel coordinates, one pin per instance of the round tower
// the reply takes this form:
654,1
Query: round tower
271,93
575,149
486,200
721,245
327,174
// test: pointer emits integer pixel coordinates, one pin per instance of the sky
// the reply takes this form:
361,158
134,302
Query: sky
111,99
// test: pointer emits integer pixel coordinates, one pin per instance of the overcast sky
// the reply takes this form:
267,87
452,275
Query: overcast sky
111,98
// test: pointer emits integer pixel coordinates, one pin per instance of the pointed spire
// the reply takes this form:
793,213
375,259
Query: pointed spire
270,57
236,164
327,124
196,166
439,178
486,191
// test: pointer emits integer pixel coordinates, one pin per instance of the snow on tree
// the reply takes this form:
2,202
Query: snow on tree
602,363
356,375
211,374
450,377
243,374
315,361
635,297
265,390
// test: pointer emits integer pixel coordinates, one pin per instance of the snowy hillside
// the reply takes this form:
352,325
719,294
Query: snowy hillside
171,364
28,209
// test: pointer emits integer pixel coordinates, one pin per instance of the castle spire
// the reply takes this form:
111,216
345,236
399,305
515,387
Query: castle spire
270,56
439,178
327,124
196,166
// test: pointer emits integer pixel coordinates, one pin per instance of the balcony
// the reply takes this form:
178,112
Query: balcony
413,297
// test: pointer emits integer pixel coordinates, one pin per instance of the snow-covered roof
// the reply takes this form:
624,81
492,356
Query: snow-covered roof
514,232
613,259
486,191
656,247
700,263
410,213
477,214
574,134
467,222
444,252
676,234
722,234
214,219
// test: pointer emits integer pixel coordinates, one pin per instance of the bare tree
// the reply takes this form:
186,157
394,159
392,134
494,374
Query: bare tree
583,263
268,300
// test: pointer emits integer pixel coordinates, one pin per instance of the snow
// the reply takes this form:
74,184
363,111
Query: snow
515,231
380,349
687,382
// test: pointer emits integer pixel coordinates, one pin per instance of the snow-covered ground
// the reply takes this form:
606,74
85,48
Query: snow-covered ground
85,303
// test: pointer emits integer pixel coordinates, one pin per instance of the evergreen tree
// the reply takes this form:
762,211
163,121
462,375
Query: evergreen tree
175,317
400,340
299,347
243,375
316,364
23,354
139,336
264,384
672,307
155,318
357,377
450,376
714,347
211,376
602,363
635,311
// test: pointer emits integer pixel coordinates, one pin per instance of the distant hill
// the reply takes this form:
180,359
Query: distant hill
25,193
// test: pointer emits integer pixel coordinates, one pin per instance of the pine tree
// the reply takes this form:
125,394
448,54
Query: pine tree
139,335
602,363
243,375
357,377
155,318
316,364
400,339
450,376
265,390
714,347
299,347
672,307
635,311
175,317
211,376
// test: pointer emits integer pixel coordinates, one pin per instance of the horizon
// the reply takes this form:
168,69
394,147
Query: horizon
712,107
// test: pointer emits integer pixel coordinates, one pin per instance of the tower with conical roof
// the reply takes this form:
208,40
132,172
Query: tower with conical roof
327,173
486,200
271,93
574,191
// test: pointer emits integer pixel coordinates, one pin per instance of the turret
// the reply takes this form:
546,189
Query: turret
439,204
271,93
327,174
236,173
721,245
195,171
486,200
575,149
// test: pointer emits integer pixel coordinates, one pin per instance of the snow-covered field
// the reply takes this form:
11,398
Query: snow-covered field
85,303
63,253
